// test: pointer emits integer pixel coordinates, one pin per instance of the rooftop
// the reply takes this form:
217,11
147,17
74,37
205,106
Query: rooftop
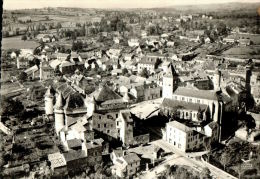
182,104
179,126
192,92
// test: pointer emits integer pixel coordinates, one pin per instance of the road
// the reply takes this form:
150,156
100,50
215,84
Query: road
181,158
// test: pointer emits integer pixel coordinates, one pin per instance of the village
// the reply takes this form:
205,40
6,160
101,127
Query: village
89,93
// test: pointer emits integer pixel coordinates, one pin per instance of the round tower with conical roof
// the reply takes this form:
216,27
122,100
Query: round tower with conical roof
59,113
48,99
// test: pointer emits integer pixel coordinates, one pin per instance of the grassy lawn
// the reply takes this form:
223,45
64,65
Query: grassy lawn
17,43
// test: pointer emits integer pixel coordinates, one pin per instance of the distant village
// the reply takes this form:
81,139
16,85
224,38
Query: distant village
128,95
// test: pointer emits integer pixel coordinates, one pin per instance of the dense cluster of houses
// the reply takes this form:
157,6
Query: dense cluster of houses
88,117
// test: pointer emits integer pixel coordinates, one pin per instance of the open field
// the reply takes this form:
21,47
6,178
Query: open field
243,52
17,43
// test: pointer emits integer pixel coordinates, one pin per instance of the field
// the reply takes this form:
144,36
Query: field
17,43
243,52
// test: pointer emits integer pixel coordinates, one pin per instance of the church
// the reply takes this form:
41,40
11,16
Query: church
190,100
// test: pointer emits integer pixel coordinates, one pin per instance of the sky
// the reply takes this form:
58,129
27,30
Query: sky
27,4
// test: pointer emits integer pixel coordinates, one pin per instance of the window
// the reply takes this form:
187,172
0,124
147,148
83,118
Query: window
198,101
98,125
190,100
182,98
116,115
111,125
105,125
99,117
108,131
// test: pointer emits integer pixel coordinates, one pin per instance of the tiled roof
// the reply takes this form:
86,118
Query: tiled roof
74,143
190,92
179,126
131,158
106,94
74,155
182,105
57,160
146,60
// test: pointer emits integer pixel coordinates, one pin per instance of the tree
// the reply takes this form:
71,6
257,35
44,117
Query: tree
24,37
224,159
11,107
23,77
205,174
124,71
35,61
144,73
109,68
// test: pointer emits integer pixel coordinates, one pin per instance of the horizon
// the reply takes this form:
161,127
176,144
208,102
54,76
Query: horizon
111,4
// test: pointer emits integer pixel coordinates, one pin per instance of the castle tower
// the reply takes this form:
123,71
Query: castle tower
170,82
48,99
59,114
217,80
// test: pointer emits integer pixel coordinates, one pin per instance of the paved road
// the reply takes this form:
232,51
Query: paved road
195,164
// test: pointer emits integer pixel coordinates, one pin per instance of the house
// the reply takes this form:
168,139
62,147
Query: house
46,72
58,164
211,130
36,93
149,63
126,166
114,53
229,40
13,55
31,71
207,40
183,137
170,44
124,123
144,92
133,42
116,72
244,42
62,56
129,57
22,63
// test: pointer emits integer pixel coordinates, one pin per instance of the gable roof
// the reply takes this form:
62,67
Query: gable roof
106,93
131,158
182,104
179,126
191,92
74,155
74,143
